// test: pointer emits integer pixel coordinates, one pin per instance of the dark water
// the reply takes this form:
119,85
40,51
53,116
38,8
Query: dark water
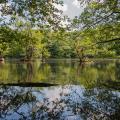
60,89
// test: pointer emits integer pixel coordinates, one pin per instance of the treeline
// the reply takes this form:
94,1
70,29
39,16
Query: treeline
57,44
34,30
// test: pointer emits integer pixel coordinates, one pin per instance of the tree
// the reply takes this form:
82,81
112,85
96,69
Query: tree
100,19
99,13
37,12
25,15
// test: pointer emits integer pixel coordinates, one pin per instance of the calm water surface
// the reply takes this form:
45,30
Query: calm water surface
74,91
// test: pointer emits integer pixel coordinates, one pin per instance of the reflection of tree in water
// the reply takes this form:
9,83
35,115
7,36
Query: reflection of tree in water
29,72
103,103
80,68
12,99
20,71
71,102
69,72
117,64
25,72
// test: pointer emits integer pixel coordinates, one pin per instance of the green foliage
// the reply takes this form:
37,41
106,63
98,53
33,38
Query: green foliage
37,12
62,72
18,43
99,28
34,36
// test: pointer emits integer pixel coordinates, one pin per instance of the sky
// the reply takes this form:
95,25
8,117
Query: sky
71,8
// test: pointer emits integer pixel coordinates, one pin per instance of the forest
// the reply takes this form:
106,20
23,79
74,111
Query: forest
34,29
59,59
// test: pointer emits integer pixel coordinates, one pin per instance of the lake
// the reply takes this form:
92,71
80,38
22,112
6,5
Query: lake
60,90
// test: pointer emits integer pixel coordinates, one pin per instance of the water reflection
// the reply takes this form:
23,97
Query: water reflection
98,73
88,91
68,102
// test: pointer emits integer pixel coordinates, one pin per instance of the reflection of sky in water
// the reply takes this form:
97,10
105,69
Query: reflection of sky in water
63,102
56,92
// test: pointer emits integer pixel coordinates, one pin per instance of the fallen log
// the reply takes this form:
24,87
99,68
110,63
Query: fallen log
28,84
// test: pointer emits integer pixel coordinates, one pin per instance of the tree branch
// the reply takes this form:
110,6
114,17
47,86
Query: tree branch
112,40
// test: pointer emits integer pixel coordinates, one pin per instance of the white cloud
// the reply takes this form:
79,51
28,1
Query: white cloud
64,8
76,3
